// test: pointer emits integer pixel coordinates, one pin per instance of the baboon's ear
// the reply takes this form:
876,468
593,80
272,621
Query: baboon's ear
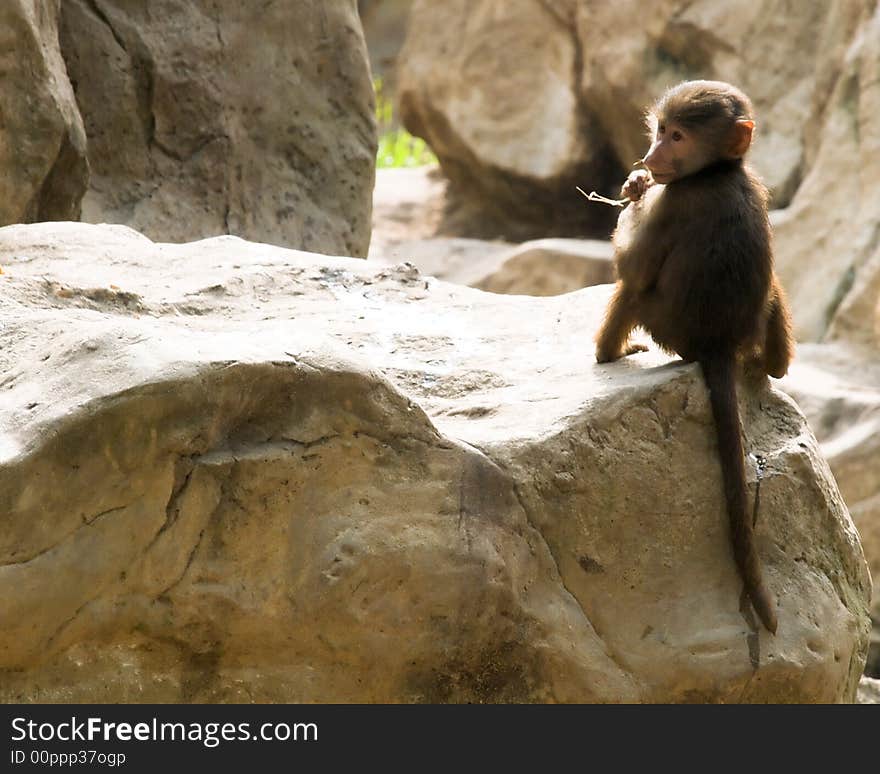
742,138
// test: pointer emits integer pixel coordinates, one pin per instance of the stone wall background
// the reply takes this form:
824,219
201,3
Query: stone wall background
195,118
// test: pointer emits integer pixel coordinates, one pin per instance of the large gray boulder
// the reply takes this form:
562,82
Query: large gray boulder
232,472
42,140
207,117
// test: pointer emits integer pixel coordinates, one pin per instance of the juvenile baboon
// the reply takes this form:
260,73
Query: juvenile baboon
695,269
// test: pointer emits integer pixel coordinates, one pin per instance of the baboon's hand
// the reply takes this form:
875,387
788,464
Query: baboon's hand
636,184
606,355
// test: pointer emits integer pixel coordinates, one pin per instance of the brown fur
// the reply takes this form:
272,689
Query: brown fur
695,269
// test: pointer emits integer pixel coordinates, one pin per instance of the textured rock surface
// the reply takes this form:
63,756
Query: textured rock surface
543,267
234,472
206,118
493,87
407,210
838,389
828,242
42,141
522,100
549,267
459,260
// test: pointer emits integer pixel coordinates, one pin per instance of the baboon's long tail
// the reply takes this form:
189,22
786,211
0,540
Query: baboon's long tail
720,379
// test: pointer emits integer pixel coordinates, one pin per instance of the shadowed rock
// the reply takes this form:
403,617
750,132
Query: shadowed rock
212,117
42,140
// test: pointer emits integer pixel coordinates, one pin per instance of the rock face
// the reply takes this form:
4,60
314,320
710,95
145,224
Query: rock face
407,210
42,141
522,100
205,118
451,259
494,89
834,217
232,472
549,267
838,389
543,267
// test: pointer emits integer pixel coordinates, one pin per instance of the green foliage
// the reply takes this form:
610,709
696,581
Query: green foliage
397,147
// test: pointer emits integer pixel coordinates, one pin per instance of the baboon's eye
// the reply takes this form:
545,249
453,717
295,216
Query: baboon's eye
676,136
